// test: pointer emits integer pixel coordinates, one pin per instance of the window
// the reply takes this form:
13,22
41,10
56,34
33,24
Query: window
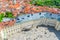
31,14
22,18
39,13
28,16
50,14
18,19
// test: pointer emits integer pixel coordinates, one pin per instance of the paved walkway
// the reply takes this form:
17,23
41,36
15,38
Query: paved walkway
37,33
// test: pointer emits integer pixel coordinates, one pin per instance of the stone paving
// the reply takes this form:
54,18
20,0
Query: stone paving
40,33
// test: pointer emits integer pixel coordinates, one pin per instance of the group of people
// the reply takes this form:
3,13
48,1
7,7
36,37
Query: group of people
18,6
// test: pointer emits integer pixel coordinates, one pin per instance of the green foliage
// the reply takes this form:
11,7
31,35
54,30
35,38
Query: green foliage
50,3
9,14
1,17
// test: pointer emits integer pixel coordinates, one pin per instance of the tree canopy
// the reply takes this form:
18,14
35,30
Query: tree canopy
50,3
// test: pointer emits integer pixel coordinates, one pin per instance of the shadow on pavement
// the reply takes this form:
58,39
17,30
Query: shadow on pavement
51,29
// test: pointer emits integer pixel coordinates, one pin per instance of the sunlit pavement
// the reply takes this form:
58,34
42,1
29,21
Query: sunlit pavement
37,33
